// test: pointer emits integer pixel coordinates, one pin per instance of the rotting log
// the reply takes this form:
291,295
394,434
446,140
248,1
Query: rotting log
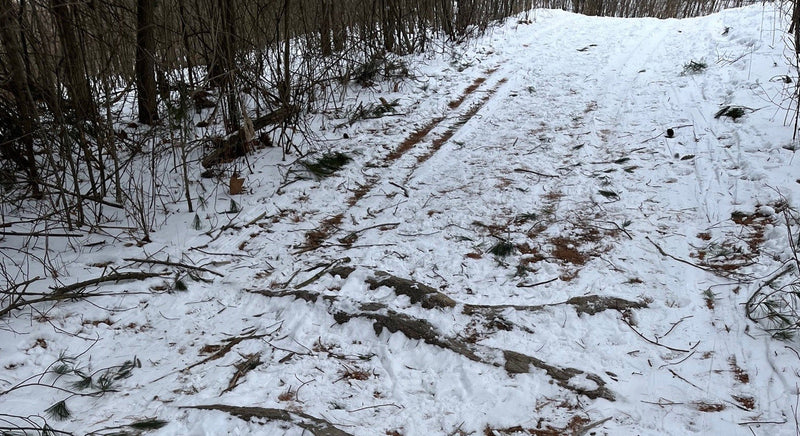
234,145
317,426
512,361
420,329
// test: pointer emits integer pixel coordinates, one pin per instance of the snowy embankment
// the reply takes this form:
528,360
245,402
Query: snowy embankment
585,273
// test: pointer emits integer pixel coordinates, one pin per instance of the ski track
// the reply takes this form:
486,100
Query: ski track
562,119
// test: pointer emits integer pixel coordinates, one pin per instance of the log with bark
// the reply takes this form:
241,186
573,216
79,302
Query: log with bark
234,145
383,318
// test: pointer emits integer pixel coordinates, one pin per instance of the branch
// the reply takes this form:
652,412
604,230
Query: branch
656,343
317,426
115,277
665,254
43,234
175,264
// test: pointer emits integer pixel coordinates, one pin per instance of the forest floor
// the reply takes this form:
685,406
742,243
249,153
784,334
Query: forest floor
519,246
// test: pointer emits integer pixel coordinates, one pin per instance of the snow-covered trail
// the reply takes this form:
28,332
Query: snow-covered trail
559,154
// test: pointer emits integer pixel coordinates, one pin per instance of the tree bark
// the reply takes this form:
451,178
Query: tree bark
78,88
145,61
24,158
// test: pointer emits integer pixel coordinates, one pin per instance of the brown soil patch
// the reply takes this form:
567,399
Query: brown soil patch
463,119
564,249
738,373
413,139
316,237
360,192
747,403
467,92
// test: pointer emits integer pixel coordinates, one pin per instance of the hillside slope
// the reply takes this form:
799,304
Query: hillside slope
520,248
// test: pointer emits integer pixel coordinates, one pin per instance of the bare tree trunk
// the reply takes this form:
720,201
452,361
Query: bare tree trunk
145,61
77,81
9,34
325,27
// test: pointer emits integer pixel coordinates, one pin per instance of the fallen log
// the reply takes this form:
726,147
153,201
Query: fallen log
234,145
420,329
430,298
512,361
317,426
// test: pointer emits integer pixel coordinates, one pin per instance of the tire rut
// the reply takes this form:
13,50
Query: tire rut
316,237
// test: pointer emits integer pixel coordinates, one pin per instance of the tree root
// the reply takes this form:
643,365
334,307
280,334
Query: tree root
512,361
420,329
317,426
430,298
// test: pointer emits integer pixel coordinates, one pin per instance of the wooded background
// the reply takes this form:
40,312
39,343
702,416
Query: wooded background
75,73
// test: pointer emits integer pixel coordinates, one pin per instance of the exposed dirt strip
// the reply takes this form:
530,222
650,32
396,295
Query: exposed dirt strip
316,237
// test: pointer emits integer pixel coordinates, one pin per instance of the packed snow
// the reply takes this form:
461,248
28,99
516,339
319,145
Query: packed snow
556,178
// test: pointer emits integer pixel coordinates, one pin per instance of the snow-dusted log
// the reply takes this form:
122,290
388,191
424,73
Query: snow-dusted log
512,361
420,329
317,426
430,298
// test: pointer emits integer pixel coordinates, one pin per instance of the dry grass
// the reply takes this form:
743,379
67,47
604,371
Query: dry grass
576,425
747,403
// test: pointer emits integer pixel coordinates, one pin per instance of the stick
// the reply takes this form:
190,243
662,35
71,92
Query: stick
256,219
523,170
520,285
665,254
322,272
687,381
405,191
656,343
115,277
54,297
175,264
43,234
375,407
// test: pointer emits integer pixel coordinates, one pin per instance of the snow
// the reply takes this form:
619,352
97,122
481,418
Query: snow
567,158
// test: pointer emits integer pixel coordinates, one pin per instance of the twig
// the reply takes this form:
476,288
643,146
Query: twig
16,286
678,362
42,234
256,219
374,227
588,427
663,402
19,303
665,254
175,264
322,272
687,381
521,285
375,407
405,191
675,324
656,343
524,170
762,422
